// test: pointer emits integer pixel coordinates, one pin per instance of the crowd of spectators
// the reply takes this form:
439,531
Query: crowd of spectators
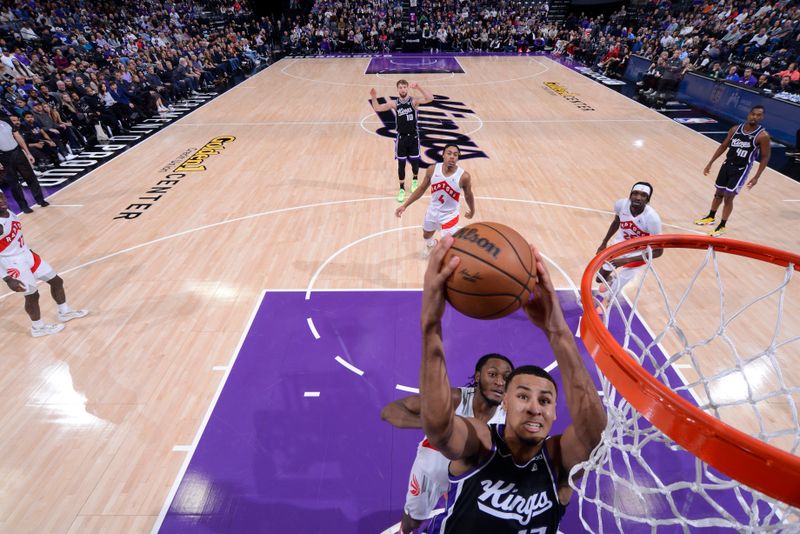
716,38
77,72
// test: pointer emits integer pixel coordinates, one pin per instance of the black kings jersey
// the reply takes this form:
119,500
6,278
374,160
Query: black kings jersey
406,117
743,149
500,496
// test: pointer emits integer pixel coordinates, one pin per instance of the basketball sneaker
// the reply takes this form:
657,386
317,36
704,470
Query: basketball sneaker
46,329
704,221
401,195
718,232
413,185
72,314
429,246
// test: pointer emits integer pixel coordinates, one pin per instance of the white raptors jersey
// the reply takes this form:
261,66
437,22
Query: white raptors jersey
464,407
445,191
11,240
646,223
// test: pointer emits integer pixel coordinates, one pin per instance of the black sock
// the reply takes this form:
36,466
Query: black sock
721,224
712,213
402,184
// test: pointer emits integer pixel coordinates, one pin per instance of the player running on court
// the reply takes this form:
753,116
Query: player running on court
447,181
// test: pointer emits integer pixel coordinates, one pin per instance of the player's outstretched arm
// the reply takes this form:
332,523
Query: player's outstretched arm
766,152
585,408
418,192
455,437
427,97
373,99
404,413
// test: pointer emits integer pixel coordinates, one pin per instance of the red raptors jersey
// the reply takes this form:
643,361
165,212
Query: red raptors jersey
445,190
11,240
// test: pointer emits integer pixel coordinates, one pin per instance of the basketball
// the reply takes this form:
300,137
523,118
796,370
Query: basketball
496,274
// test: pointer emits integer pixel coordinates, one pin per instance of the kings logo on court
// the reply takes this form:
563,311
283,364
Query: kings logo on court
438,126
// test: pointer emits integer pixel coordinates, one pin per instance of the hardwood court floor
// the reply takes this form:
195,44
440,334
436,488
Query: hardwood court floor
91,416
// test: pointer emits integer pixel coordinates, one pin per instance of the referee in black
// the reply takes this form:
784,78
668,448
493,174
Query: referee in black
18,161
407,143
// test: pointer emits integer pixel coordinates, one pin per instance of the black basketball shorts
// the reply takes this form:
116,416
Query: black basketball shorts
407,146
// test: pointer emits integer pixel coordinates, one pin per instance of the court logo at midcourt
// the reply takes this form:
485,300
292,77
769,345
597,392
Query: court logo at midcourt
442,122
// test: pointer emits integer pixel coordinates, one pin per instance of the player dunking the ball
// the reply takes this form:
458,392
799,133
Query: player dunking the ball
745,143
447,181
407,143
22,267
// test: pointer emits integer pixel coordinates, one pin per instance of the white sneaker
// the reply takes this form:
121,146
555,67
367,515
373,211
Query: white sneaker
47,329
72,314
428,249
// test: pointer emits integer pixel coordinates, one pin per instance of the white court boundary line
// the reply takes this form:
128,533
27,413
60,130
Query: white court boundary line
219,96
351,244
316,205
349,365
531,59
193,447
656,112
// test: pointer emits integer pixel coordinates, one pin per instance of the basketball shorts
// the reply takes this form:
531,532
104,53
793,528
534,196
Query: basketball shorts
27,267
446,222
427,482
731,178
407,146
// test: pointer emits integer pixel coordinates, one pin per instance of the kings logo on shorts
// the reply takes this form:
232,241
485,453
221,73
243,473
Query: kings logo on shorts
438,127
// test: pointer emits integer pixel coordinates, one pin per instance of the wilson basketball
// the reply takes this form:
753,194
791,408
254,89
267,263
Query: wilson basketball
496,274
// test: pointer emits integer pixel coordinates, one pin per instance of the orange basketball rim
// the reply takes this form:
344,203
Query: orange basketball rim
749,460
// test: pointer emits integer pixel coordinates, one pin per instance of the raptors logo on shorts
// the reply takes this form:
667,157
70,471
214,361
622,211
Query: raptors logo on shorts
414,486
13,273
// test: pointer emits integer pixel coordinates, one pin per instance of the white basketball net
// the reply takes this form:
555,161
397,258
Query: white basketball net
629,483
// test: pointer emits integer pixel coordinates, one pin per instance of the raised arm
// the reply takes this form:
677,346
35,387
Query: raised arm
373,99
404,413
585,408
720,149
455,437
427,97
766,152
418,192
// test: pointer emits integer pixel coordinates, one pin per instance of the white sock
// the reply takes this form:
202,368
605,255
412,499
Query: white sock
430,243
63,308
37,324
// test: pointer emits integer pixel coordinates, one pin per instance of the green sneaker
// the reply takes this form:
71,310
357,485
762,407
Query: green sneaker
413,185
401,195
